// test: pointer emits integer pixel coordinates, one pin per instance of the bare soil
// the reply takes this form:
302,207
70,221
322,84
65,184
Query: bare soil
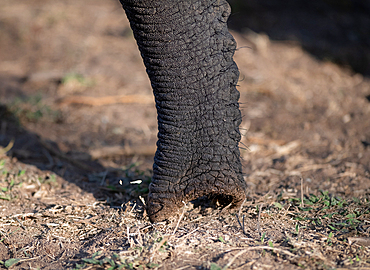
78,132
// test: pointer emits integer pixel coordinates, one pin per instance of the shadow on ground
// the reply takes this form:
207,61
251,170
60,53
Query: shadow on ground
77,167
330,30
336,31
306,126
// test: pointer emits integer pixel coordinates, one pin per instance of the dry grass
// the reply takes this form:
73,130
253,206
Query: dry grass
44,226
306,157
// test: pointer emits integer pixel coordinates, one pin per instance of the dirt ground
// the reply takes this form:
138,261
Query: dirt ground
78,132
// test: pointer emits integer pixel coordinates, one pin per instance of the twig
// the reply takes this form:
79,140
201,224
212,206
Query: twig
1,240
128,235
29,259
146,227
313,167
132,209
178,222
20,223
302,204
256,248
234,258
241,224
184,267
112,151
241,206
7,148
259,219
139,238
244,266
165,238
142,201
100,101
226,207
362,241
287,210
244,225
186,235
24,215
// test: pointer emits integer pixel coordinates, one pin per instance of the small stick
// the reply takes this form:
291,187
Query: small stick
259,219
226,207
256,248
8,234
238,215
184,267
241,206
24,228
234,258
362,241
128,236
186,235
178,222
165,238
139,237
142,200
132,209
241,225
302,204
286,211
113,151
7,148
244,225
29,259
107,100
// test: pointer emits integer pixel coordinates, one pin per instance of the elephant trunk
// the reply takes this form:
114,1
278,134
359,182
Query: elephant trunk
188,53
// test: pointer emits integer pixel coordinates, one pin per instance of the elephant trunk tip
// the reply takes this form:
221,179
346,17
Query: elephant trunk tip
159,211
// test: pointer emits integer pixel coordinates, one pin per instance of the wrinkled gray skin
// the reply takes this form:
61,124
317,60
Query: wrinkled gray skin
188,53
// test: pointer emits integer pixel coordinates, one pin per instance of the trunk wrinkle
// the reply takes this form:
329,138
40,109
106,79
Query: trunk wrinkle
188,53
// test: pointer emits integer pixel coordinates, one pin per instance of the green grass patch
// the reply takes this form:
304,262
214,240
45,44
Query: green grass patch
33,109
